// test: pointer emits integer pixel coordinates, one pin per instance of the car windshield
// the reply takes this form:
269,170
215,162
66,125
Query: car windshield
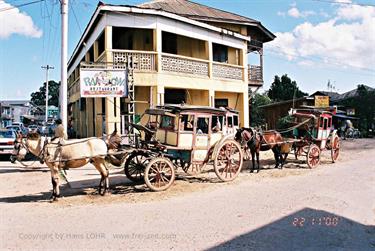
14,128
7,134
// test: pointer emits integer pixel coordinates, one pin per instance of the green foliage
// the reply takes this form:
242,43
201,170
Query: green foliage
364,105
39,97
257,117
284,122
284,89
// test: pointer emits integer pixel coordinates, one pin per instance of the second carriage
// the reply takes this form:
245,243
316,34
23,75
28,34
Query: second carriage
313,133
188,137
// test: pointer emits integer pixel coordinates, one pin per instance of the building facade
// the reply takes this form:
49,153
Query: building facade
13,111
182,51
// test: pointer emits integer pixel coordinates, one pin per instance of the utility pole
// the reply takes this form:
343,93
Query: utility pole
47,68
64,66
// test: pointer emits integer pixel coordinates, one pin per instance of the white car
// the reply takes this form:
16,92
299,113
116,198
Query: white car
7,138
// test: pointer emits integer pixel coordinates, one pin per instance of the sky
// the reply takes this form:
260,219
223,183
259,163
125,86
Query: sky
317,40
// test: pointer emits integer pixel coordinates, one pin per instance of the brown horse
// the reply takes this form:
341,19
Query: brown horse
256,142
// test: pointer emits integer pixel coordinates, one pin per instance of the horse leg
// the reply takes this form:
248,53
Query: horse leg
276,155
104,181
55,183
252,161
258,161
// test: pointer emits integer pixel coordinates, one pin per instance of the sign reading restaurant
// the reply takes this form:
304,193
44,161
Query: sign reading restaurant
321,101
103,83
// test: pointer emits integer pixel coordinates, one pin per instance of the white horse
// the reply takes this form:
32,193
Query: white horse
68,154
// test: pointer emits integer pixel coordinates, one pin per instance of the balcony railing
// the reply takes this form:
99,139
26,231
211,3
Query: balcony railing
143,60
5,116
186,65
220,70
255,74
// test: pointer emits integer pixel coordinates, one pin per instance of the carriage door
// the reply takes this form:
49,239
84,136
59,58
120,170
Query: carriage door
230,125
202,138
324,131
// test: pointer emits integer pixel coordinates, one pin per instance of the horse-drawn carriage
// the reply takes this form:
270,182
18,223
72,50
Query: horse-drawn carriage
312,133
187,137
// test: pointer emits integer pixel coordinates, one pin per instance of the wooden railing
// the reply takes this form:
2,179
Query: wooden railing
143,60
182,64
221,70
255,74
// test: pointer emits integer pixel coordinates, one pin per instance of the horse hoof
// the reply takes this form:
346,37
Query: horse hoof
251,171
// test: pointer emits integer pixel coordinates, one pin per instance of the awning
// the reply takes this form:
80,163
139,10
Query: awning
342,116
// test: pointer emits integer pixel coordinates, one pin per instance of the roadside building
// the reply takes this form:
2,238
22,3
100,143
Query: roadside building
184,52
13,111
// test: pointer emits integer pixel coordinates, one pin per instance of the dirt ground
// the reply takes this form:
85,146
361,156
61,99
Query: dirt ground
331,207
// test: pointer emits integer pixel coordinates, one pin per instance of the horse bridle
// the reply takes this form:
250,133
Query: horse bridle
26,146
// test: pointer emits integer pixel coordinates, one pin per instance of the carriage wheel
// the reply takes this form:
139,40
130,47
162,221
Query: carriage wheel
335,148
159,174
229,160
135,165
313,156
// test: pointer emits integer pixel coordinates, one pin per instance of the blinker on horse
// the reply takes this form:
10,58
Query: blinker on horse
256,142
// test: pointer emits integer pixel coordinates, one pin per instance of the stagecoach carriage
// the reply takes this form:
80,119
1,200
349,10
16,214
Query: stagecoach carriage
313,134
188,137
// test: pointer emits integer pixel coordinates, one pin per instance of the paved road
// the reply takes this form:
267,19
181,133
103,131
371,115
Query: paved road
328,208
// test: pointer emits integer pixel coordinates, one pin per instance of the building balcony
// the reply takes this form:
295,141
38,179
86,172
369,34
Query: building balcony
255,75
147,61
6,116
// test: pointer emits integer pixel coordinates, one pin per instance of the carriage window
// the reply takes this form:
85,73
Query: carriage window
329,122
202,125
321,122
217,122
167,122
153,121
235,120
325,124
230,121
187,123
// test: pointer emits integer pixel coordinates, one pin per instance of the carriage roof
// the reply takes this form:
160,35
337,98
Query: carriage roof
174,109
310,113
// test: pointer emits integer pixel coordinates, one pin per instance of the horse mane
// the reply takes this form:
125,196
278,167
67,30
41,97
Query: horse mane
33,136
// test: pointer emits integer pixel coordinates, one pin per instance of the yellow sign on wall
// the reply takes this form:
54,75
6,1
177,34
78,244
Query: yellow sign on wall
321,101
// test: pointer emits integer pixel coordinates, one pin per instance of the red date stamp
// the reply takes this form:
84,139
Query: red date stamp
329,221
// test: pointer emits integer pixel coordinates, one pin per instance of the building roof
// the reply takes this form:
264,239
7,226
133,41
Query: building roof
15,102
353,93
332,95
203,13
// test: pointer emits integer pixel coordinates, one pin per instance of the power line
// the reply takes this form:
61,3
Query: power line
75,17
341,2
20,5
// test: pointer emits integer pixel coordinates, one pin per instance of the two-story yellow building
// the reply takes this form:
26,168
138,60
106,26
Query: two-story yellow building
184,52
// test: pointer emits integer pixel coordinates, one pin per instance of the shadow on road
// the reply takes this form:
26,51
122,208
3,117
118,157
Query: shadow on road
306,229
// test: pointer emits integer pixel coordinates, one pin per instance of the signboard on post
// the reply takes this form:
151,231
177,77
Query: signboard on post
321,101
96,83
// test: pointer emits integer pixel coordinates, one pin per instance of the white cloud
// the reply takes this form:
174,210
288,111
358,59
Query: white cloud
347,39
12,21
294,12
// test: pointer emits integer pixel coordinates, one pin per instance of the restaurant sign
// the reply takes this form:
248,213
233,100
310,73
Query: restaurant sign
321,101
103,83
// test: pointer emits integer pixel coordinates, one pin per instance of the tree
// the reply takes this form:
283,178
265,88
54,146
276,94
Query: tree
256,114
39,97
363,103
284,89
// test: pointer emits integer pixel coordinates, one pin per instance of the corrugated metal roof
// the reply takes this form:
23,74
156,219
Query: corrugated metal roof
195,11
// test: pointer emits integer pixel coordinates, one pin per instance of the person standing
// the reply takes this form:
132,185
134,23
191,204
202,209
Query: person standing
59,131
